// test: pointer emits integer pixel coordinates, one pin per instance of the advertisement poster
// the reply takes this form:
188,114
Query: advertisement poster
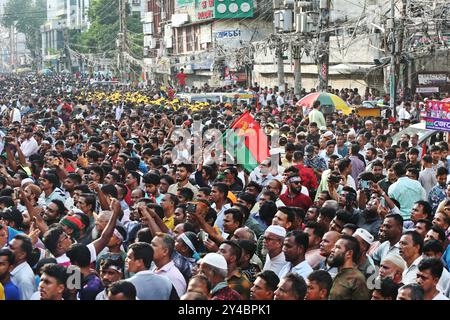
437,115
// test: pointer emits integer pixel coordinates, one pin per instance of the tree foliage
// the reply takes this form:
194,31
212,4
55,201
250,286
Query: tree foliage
27,16
104,27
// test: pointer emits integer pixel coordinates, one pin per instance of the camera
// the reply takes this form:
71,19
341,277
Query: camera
191,208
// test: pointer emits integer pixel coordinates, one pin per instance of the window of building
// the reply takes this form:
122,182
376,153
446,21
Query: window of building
190,39
180,40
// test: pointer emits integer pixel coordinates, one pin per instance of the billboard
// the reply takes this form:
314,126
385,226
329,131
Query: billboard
437,115
230,9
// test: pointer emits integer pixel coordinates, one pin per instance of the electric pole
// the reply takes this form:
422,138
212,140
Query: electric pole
279,50
66,48
392,80
280,64
121,40
324,44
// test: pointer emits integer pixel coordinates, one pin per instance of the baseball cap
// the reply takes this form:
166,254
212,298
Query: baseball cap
215,260
364,234
277,230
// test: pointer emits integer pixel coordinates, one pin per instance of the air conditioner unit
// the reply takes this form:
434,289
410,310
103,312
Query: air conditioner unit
168,42
288,2
148,17
153,43
277,17
148,28
179,19
287,20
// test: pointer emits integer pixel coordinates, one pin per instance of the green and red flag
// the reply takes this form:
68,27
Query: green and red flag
247,142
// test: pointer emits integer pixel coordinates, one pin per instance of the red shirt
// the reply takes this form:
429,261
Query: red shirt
309,179
300,200
181,78
226,294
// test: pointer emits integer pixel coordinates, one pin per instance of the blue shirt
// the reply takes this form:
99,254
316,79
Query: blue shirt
12,233
407,192
11,291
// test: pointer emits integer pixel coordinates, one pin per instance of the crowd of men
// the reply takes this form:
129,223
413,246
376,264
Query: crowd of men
97,205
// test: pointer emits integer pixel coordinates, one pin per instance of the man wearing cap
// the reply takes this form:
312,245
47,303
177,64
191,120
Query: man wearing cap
316,115
273,245
215,268
392,266
293,196
365,263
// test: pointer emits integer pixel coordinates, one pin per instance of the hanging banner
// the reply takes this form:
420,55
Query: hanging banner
437,115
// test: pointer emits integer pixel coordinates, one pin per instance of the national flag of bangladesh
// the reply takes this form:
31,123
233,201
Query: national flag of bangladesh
246,142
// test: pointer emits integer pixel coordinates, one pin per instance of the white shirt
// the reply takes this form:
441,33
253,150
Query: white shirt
440,296
16,115
403,114
280,101
29,147
23,277
275,264
174,275
410,274
444,282
302,269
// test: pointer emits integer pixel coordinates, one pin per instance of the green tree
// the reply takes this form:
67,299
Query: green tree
27,16
101,36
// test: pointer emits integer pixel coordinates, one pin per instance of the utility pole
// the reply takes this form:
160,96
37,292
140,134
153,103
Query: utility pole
121,40
66,48
280,64
324,44
392,80
279,48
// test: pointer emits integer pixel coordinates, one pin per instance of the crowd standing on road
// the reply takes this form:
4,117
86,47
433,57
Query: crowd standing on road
101,200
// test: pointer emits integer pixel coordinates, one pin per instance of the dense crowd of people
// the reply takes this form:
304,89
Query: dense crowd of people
101,200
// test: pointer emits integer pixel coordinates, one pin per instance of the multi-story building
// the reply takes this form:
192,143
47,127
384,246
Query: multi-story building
13,49
62,15
206,38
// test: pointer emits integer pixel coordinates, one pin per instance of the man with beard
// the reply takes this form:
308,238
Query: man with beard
389,236
113,152
349,283
182,175
329,239
54,212
377,170
293,196
392,266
